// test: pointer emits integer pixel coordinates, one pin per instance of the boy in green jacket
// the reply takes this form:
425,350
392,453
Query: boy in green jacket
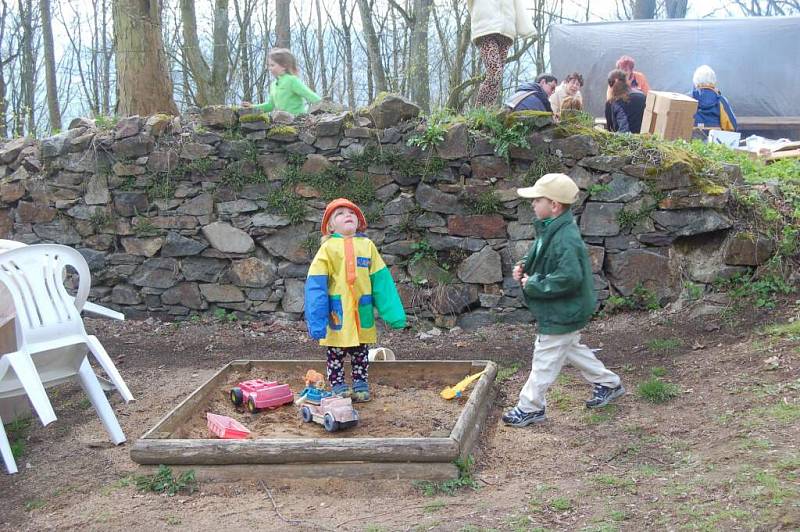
556,278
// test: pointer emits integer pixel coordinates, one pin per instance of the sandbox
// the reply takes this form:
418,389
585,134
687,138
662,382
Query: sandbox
407,431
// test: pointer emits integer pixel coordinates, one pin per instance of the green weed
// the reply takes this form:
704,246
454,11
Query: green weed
34,504
657,391
223,315
790,330
598,188
163,481
17,434
561,504
450,487
144,227
485,203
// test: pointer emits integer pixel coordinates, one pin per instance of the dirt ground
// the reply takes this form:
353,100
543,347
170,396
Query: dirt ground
392,413
723,455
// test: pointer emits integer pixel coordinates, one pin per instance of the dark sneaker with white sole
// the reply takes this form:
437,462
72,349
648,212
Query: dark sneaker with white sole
603,395
517,418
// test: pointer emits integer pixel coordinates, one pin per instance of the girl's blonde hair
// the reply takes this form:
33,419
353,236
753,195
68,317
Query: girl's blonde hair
284,58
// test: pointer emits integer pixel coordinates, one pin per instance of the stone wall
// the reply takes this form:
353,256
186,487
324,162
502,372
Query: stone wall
220,210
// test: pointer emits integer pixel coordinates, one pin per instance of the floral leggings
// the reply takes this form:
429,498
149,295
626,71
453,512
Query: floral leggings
358,360
494,49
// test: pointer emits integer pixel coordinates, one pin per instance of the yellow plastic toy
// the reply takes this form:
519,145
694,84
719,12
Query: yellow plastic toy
458,389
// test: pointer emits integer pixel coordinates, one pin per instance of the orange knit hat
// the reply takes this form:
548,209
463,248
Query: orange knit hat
342,202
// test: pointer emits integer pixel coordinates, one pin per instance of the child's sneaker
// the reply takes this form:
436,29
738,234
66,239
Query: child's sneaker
342,390
517,418
360,392
603,395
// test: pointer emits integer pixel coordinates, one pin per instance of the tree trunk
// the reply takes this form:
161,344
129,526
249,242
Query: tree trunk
3,62
244,48
108,53
644,9
50,67
419,85
144,85
676,8
27,70
373,46
209,82
321,51
282,24
348,54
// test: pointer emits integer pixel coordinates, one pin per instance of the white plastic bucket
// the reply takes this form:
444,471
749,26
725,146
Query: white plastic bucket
382,354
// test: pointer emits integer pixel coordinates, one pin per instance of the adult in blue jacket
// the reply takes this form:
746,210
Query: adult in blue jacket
713,109
534,96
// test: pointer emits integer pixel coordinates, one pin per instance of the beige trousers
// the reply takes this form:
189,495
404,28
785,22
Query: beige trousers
550,352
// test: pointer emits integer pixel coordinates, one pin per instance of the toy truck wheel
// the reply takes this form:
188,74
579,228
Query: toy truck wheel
306,413
251,405
331,425
236,396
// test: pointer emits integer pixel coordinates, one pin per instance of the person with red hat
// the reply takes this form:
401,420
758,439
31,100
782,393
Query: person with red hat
346,282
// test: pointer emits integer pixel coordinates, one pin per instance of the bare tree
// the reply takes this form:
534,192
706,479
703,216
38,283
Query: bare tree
50,67
417,68
767,8
144,86
373,46
6,57
210,82
26,111
676,8
321,49
644,9
283,24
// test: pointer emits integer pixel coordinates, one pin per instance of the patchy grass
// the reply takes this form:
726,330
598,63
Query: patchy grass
664,344
657,391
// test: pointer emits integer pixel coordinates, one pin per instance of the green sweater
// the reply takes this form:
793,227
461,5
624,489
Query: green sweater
560,289
288,93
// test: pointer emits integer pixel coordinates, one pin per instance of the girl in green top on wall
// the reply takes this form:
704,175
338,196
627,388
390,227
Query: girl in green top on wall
287,92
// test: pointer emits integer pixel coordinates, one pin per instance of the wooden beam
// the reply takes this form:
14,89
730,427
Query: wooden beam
470,422
282,451
432,471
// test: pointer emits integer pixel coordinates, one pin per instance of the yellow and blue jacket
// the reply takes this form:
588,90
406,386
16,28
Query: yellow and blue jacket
346,281
713,109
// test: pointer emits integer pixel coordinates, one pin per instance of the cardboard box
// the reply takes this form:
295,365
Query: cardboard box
669,115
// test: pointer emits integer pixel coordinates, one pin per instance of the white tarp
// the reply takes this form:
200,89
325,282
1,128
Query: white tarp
757,60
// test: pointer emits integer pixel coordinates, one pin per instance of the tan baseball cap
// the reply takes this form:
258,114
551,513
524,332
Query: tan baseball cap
556,187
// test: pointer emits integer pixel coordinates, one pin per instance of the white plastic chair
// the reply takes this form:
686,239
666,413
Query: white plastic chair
52,344
88,306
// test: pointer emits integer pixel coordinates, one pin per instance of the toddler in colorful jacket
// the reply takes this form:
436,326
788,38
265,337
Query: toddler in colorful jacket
347,280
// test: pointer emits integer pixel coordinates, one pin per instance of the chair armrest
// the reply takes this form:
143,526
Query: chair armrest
99,310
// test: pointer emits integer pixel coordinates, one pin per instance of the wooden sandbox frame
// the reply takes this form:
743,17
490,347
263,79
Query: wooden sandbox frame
423,458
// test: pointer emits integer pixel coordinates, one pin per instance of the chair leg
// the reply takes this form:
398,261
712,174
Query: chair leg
29,378
105,361
98,399
5,450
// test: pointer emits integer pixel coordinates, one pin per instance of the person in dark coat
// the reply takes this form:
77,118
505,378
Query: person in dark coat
625,106
534,96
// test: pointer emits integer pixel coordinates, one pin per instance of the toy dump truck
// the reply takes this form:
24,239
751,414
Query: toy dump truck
258,394
333,413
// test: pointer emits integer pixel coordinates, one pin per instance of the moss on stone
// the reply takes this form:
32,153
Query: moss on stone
282,131
255,117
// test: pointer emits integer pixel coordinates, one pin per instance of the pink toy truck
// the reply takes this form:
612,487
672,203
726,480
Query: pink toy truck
226,428
258,394
333,413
